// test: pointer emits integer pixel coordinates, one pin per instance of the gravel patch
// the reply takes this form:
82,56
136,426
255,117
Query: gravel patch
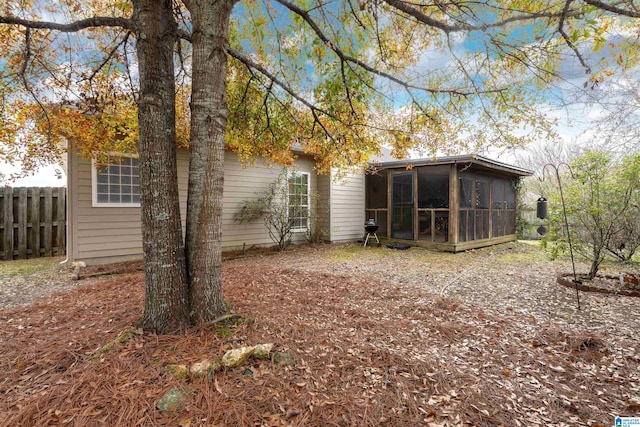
24,281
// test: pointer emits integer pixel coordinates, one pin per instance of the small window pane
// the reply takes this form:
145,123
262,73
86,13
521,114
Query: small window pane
114,183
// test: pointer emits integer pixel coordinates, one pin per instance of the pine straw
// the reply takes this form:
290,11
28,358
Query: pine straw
366,352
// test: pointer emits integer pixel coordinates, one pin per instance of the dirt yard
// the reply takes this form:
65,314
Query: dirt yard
378,336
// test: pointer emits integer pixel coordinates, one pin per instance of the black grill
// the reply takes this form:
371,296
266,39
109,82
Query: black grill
371,226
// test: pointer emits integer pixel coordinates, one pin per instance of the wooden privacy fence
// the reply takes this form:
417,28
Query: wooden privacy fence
32,222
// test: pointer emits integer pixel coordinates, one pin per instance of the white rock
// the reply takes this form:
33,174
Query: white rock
263,351
204,368
237,356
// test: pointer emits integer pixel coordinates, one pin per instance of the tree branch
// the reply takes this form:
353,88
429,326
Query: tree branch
129,77
346,88
409,10
314,110
110,55
464,26
72,27
265,104
613,9
25,81
566,37
184,35
347,58
252,64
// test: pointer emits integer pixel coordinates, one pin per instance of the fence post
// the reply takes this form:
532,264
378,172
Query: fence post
35,222
22,222
48,220
8,223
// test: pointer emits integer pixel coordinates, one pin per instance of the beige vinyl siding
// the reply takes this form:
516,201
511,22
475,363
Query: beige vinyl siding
242,184
324,205
112,234
347,207
101,232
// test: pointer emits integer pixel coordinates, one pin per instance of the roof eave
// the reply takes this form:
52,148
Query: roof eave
445,160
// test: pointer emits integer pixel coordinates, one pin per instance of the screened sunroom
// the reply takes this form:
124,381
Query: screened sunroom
448,203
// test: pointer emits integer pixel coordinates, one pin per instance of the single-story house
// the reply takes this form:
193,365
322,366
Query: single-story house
104,220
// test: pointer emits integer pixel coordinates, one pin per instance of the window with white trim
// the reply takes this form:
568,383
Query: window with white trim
299,200
117,183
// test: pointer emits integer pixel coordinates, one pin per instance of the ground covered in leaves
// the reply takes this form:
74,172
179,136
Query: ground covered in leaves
379,337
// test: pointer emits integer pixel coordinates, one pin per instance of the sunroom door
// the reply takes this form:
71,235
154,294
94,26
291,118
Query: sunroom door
402,209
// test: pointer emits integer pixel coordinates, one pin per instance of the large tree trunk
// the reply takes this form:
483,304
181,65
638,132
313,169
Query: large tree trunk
210,19
166,292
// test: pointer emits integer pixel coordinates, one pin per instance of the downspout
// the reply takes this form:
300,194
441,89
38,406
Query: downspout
68,172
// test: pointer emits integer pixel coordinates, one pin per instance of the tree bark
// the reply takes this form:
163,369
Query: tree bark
166,298
210,19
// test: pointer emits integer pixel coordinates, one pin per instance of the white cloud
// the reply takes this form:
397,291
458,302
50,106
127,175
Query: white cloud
46,176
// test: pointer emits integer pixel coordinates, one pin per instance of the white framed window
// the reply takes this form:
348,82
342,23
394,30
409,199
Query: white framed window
299,200
116,184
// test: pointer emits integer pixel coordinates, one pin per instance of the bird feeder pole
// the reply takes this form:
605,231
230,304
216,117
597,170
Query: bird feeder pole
566,221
